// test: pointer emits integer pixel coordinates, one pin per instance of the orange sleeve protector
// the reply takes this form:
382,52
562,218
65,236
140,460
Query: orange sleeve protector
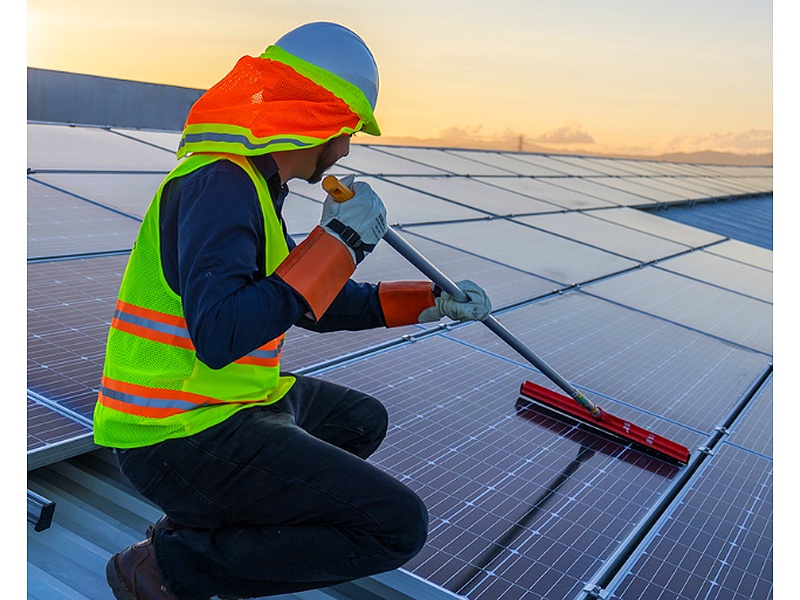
403,301
317,269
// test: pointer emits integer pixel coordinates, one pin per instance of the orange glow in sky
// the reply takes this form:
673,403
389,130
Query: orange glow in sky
620,76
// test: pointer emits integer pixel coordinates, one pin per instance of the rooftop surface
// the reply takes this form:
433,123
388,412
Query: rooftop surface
664,323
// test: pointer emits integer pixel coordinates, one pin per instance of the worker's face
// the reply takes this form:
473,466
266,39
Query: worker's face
330,152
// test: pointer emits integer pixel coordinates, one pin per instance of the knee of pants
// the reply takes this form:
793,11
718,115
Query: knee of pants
376,418
412,531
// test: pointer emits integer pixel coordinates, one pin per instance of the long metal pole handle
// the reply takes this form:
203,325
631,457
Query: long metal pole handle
341,194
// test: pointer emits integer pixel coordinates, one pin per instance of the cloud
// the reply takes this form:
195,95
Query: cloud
569,133
752,141
454,132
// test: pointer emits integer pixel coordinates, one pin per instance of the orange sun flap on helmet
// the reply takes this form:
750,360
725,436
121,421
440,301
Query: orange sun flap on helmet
271,99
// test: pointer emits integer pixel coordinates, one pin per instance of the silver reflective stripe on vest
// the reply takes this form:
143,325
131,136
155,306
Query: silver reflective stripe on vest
151,402
173,330
267,353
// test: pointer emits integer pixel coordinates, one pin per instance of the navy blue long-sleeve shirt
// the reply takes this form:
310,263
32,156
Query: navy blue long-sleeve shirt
212,253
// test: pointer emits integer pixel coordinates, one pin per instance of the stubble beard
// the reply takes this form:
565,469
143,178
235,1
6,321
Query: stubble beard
325,160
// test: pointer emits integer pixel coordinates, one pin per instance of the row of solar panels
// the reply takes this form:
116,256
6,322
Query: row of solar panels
89,188
669,325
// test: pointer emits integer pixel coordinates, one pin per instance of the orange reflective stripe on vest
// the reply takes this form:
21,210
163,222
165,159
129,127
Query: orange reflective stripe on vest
152,402
152,325
170,329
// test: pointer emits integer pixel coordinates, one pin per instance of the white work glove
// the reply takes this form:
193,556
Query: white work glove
360,222
477,308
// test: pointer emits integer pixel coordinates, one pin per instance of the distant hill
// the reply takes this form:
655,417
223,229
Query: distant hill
718,158
709,157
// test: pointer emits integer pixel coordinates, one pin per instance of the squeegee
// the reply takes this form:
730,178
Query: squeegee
576,406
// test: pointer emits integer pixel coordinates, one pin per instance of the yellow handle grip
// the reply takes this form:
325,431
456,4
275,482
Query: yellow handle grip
337,190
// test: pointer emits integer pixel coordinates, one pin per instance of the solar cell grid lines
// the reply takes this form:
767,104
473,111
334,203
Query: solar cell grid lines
664,323
718,542
70,305
46,427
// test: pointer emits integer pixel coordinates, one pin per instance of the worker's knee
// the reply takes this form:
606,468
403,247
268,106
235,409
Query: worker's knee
412,527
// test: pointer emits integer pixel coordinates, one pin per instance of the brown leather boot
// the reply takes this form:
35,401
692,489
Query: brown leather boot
133,574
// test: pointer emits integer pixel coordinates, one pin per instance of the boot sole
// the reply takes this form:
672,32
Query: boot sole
115,583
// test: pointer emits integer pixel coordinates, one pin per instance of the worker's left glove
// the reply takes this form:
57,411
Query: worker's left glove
476,308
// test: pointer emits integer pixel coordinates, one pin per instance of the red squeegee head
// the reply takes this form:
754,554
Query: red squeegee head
607,422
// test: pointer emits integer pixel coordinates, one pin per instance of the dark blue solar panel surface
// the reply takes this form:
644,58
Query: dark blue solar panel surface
660,322
718,543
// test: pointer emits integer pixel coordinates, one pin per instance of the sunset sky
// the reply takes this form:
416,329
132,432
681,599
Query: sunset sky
619,76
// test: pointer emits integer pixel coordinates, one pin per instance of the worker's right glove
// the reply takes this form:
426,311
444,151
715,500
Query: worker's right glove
477,307
359,222
409,302
320,265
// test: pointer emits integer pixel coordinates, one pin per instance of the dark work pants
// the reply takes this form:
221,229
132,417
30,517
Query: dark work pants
279,499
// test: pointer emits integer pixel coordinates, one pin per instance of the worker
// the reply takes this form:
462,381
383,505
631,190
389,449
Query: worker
262,475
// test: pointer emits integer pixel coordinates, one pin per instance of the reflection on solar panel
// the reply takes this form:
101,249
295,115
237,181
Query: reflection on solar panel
666,324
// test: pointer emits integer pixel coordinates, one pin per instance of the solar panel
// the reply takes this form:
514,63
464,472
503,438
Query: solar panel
589,230
694,304
549,191
510,163
723,272
753,430
657,226
643,188
476,193
448,162
166,140
563,165
61,224
70,305
128,194
47,428
379,162
683,188
745,253
92,148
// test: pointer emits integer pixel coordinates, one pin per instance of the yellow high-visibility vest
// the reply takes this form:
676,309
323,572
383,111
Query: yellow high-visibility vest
154,387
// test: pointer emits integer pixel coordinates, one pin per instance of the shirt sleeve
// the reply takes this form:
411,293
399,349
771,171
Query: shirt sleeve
213,249
356,307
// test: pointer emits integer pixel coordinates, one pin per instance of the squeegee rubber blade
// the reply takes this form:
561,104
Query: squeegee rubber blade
615,426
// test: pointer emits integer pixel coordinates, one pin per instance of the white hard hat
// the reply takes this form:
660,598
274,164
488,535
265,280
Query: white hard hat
336,49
